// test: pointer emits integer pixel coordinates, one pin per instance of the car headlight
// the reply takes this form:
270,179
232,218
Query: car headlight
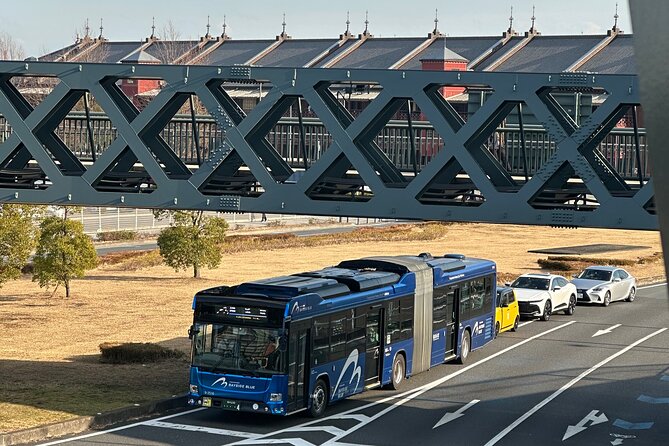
275,397
193,388
535,301
599,288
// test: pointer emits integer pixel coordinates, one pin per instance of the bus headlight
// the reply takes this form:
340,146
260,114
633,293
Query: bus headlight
275,397
193,388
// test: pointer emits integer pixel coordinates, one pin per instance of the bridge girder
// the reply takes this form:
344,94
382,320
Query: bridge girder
357,177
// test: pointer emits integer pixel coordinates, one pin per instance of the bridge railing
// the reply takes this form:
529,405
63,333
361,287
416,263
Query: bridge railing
505,144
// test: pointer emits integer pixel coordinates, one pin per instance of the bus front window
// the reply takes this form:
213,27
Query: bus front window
235,349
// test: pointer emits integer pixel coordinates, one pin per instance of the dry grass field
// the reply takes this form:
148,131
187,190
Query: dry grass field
49,356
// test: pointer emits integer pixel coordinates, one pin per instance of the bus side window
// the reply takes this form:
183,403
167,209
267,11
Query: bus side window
465,301
393,324
321,340
355,337
439,309
406,318
338,324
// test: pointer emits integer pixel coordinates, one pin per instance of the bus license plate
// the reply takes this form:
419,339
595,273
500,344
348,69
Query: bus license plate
230,405
206,401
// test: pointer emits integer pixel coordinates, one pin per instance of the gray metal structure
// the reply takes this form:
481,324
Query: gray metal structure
577,186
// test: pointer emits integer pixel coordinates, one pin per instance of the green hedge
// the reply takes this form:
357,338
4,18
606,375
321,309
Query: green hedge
134,352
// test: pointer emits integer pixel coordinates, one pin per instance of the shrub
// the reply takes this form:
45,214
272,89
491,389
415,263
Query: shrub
555,265
114,236
134,352
132,260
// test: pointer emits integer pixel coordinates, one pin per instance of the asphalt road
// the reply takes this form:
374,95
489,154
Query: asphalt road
550,383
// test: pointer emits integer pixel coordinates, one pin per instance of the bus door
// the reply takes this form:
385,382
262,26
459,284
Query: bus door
373,353
452,312
297,366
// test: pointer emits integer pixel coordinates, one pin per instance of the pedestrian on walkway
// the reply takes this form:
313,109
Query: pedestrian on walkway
264,217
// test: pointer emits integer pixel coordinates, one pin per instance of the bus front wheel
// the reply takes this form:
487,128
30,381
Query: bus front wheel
319,399
465,347
398,372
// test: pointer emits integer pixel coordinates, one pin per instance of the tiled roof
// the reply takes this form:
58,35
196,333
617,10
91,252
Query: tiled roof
499,53
549,54
141,57
616,58
113,52
236,51
295,53
163,50
337,52
439,51
380,52
468,47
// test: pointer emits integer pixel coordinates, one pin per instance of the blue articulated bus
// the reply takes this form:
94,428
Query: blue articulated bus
303,341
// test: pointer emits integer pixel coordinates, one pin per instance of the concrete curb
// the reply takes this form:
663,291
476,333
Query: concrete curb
99,421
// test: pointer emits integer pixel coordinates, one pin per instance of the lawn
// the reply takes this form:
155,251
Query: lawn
49,357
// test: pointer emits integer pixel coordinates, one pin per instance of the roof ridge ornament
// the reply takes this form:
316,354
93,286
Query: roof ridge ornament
225,26
100,37
153,28
366,31
533,30
510,30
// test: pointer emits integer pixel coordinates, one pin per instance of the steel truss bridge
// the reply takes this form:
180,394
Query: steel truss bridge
464,180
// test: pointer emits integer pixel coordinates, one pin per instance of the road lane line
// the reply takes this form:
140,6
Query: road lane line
652,286
562,389
525,323
191,428
120,428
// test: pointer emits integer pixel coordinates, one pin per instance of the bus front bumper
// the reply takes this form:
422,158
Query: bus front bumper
236,405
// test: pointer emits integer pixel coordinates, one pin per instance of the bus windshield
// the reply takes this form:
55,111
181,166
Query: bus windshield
226,348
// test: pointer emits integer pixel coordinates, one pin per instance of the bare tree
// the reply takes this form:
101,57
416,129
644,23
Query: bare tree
10,49
168,48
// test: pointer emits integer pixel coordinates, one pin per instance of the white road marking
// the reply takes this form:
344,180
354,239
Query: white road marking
606,330
403,397
120,428
525,323
450,416
208,430
581,425
558,392
652,286
652,400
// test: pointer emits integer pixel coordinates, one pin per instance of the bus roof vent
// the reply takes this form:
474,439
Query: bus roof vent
425,256
455,256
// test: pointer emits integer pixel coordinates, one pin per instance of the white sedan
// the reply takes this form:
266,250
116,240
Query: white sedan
540,295
605,284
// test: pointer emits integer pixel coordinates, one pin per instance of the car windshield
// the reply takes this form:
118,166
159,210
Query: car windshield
595,274
531,283
234,349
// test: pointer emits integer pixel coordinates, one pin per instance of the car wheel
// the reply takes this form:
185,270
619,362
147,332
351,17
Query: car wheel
548,310
496,328
572,306
465,347
398,373
632,295
515,324
319,399
607,299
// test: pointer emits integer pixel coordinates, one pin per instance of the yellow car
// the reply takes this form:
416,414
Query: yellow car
507,314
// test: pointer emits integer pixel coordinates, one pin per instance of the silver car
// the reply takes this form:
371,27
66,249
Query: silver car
604,284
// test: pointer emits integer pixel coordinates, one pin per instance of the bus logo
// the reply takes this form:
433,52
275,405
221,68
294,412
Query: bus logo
478,328
222,381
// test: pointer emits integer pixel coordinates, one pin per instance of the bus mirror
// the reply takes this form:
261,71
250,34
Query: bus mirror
283,343
192,332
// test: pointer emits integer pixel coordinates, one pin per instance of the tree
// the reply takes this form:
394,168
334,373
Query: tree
10,49
18,237
192,240
63,253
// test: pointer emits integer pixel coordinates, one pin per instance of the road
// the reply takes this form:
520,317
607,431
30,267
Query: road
151,245
550,383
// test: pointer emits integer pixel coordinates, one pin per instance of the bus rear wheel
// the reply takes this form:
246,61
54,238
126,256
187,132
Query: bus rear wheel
319,399
465,347
398,373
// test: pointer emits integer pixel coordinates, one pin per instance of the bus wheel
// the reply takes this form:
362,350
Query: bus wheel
399,372
465,347
319,399
515,324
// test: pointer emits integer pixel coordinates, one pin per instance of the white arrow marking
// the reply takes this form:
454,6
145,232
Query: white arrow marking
606,331
450,416
581,425
617,441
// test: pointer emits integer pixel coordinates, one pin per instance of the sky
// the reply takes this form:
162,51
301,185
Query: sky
42,26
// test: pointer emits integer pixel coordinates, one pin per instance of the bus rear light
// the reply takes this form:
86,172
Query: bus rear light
275,397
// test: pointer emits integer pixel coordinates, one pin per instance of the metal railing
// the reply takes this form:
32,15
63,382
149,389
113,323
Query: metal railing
505,143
